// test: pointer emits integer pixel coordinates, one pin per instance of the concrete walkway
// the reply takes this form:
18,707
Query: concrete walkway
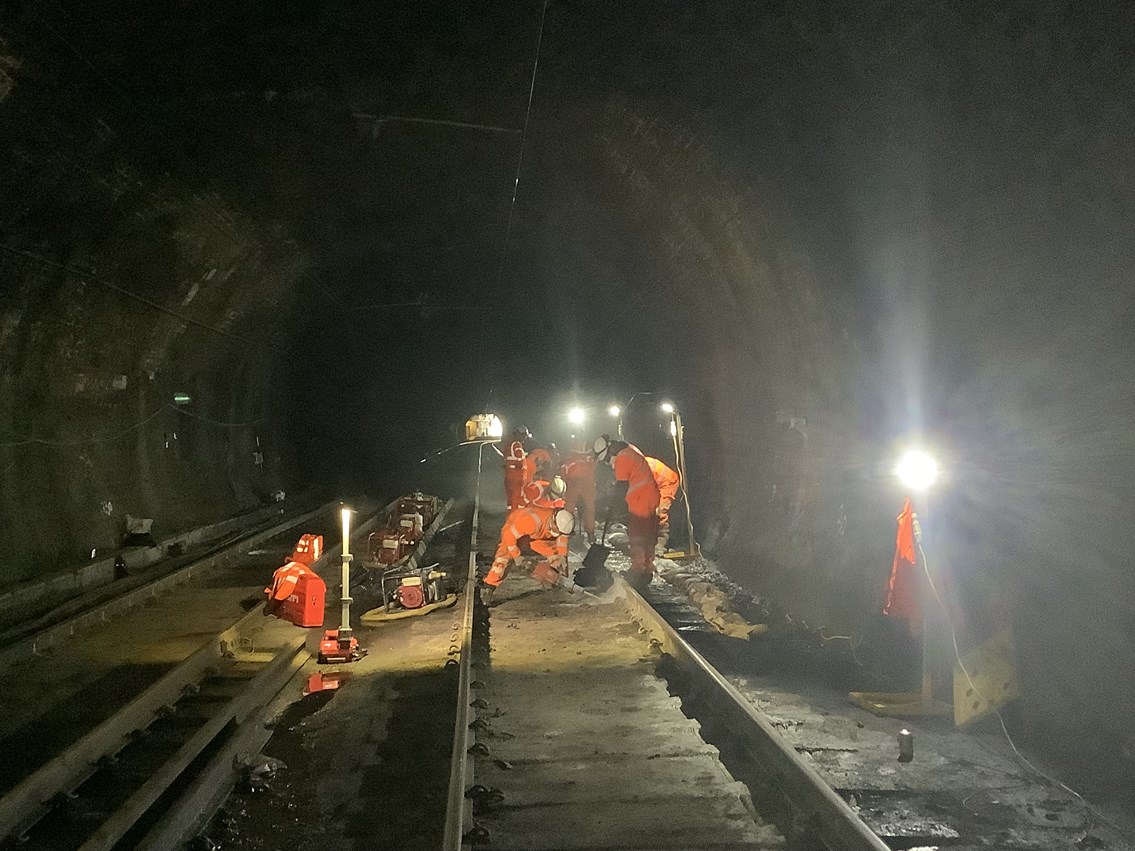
587,746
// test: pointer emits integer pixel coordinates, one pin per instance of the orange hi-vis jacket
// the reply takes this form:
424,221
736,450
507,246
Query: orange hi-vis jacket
535,524
515,455
532,462
539,493
579,467
668,481
642,492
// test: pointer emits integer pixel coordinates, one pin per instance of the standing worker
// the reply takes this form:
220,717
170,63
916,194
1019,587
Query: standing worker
515,467
668,482
579,476
642,498
535,533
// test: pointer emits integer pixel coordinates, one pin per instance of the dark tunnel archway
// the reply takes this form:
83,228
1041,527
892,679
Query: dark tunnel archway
823,228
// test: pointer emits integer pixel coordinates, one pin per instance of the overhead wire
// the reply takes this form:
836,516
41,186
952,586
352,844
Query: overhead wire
523,142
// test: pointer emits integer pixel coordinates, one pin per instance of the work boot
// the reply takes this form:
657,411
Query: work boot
487,595
640,581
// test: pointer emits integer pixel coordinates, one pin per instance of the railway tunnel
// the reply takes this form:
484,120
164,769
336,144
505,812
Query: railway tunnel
288,247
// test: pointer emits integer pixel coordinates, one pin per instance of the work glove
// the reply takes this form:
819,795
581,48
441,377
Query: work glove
558,562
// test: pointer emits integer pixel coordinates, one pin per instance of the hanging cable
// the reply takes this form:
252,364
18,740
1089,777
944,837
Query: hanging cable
26,440
1004,729
523,141
110,285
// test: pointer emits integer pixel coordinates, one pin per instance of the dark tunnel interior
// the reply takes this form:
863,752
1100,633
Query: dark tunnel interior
233,262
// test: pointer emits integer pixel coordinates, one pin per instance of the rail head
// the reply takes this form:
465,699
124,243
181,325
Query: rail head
458,813
832,818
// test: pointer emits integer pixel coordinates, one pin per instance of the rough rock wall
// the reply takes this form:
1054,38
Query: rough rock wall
829,227
127,278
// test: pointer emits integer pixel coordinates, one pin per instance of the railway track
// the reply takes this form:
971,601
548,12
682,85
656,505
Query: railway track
676,794
148,774
24,641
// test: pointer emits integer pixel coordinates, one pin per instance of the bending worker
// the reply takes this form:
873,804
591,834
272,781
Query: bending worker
642,498
668,482
542,463
516,467
579,476
532,534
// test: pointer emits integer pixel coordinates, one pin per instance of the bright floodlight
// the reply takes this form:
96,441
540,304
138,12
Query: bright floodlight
496,427
917,470
667,408
614,411
346,514
577,416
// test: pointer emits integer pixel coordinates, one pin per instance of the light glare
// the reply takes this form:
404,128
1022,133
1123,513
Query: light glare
614,411
577,416
917,470
667,408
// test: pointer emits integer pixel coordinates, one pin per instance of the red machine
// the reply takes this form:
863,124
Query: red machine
418,503
385,547
296,595
412,527
335,648
308,550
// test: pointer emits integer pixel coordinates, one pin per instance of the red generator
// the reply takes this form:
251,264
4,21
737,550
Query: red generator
403,588
385,547
297,595
411,526
419,503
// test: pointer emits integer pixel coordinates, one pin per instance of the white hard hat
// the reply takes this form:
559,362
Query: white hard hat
600,448
557,487
564,521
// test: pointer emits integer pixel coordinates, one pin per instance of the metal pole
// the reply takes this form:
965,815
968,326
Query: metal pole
345,617
927,603
680,443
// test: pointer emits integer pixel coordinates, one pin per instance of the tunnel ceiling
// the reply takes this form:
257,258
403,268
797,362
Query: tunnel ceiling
823,227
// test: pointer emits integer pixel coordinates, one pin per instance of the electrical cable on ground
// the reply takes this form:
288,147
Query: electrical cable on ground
1004,729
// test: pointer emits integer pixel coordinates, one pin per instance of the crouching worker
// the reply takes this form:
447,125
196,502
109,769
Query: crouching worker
535,535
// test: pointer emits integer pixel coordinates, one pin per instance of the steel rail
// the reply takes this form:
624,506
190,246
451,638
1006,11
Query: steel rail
459,810
259,691
192,811
25,803
831,818
32,645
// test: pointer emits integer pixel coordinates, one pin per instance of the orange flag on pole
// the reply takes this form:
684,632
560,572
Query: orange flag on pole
902,590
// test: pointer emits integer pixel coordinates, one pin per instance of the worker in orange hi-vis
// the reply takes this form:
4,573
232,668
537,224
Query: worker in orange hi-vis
541,464
532,533
516,466
579,475
544,494
668,482
642,498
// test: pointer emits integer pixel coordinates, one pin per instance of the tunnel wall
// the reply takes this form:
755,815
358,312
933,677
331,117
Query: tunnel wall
128,277
850,229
